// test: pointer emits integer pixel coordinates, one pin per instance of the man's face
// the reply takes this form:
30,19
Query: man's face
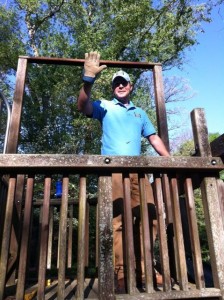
121,88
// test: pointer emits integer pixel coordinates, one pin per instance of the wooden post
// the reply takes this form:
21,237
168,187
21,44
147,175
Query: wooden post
162,234
16,229
50,237
63,238
70,236
81,239
25,240
194,235
160,105
17,107
210,198
178,235
146,244
44,240
105,237
6,234
129,239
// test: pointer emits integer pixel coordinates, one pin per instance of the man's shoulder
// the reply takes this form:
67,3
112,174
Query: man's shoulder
101,102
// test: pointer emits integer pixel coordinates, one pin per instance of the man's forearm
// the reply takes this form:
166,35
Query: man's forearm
91,69
84,103
158,145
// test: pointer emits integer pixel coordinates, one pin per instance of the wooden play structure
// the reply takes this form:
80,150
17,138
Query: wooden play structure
35,263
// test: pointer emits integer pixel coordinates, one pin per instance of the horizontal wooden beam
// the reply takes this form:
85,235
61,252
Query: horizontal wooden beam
57,201
72,163
80,62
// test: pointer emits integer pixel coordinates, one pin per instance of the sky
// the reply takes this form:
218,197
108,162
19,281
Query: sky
205,74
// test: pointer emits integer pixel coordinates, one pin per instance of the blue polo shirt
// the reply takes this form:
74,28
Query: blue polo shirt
122,127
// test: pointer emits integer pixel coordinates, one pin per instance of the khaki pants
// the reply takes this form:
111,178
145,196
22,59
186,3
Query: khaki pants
118,228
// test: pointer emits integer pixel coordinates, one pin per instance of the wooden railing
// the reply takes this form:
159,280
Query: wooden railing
37,261
35,166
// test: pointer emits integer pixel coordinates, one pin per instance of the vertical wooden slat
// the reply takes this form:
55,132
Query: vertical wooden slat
70,231
6,234
220,184
210,199
3,197
167,198
17,107
163,133
178,234
50,237
87,236
105,236
147,247
160,105
200,133
25,240
59,239
81,239
44,239
164,258
16,229
97,235
214,228
63,239
129,241
194,235
12,142
39,236
169,224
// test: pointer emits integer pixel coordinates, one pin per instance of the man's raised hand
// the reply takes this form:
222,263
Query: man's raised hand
92,66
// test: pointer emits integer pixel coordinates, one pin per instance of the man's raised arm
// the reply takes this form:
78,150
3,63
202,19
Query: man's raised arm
91,69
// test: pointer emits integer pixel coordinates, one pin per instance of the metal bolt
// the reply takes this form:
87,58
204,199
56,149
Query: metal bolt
107,160
213,162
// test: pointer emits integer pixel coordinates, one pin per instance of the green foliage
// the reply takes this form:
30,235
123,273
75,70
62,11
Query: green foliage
10,41
121,30
186,149
201,226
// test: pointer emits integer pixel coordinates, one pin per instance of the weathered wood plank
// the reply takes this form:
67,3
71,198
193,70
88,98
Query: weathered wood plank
105,236
194,234
70,234
164,257
220,184
178,236
63,238
160,105
44,240
200,133
147,246
25,240
6,234
16,229
13,137
81,238
53,162
80,62
214,228
129,240
190,294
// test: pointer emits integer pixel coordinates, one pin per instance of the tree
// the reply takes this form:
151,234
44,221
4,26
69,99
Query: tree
121,30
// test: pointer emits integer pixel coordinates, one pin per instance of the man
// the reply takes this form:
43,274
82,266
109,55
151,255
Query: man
123,124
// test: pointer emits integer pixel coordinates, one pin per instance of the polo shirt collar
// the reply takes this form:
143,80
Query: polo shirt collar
131,105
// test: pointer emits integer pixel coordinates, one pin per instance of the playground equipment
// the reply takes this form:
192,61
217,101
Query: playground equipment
34,269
